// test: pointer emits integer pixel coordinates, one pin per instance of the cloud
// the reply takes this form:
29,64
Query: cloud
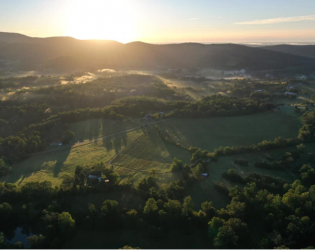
280,20
194,19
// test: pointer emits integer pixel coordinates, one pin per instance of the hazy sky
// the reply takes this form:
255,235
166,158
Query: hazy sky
163,21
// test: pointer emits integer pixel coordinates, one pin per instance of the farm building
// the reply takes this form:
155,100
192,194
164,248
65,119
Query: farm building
95,175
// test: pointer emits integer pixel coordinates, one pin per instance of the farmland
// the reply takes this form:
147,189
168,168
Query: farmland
155,156
150,153
52,166
211,133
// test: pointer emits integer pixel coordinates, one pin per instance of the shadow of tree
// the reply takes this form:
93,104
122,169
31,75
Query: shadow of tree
115,142
60,161
36,163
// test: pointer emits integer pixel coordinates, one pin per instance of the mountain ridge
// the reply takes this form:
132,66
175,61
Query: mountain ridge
47,53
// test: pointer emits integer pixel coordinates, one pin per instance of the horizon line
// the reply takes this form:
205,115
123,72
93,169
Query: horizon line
257,43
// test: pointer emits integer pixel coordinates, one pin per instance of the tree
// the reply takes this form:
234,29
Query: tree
188,206
214,225
177,165
67,137
67,182
2,241
66,224
5,211
37,242
208,208
92,213
111,214
150,207
232,234
300,147
80,175
113,177
308,118
173,208
4,168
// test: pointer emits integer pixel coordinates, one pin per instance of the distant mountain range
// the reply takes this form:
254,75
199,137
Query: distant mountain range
66,53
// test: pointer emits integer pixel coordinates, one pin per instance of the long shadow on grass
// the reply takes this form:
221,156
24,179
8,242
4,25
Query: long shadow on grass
158,144
95,128
60,161
115,142
38,163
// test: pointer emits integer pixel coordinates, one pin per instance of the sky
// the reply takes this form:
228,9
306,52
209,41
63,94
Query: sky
163,21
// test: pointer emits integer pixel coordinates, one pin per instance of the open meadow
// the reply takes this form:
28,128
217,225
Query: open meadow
211,133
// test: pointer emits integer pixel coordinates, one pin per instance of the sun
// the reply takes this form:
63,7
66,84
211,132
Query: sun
101,19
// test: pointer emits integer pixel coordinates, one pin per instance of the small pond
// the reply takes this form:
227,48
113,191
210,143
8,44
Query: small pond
20,235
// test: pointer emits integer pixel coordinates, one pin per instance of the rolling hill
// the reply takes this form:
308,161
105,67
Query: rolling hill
69,53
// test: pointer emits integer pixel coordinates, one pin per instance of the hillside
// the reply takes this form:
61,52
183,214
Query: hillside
50,53
298,50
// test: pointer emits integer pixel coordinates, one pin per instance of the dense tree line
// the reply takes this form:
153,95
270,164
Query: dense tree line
307,131
104,91
284,211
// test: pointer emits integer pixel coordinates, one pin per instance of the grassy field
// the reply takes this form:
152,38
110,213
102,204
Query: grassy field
147,154
91,129
51,166
211,133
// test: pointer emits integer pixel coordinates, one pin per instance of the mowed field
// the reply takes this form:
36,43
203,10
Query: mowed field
149,154
52,166
211,133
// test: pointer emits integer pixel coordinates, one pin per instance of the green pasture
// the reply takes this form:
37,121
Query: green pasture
211,133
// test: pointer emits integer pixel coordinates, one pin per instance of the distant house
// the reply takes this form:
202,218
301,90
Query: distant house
204,174
259,90
289,93
95,175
